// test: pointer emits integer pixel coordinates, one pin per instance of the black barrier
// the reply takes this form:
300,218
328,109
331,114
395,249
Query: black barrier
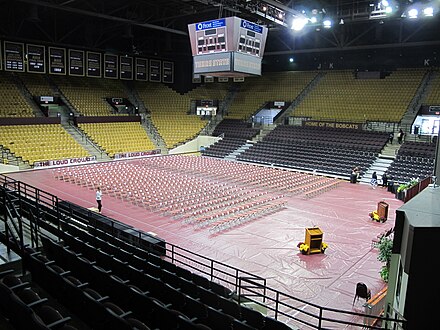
128,233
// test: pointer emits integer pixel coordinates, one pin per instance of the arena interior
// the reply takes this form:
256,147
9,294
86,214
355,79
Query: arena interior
230,200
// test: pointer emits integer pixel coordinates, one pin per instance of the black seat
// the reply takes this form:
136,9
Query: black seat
362,291
51,317
272,324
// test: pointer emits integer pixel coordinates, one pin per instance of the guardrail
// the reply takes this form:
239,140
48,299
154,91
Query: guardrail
249,287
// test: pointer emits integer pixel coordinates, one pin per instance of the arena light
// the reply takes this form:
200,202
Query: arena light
298,23
428,11
327,23
413,13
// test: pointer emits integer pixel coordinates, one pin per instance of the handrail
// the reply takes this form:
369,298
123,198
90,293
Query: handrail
280,305
413,191
311,315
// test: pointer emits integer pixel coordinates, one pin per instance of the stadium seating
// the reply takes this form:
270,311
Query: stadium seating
118,137
326,150
36,84
339,96
26,307
116,286
223,147
12,103
87,95
169,113
433,96
40,142
254,92
235,128
415,160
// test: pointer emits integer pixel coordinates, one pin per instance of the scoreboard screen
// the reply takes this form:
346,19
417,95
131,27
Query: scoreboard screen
76,62
211,36
250,40
57,60
36,58
14,56
229,46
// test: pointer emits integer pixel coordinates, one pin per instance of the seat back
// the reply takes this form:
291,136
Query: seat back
361,290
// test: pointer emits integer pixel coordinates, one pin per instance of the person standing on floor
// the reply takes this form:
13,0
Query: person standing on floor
391,137
99,198
384,179
400,136
373,181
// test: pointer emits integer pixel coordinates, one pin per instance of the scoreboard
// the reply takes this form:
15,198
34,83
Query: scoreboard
228,46
211,36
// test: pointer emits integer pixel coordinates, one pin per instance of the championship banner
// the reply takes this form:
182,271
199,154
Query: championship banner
332,124
65,162
124,155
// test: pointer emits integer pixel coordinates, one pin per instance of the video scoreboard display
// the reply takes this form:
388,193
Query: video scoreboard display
57,60
250,39
229,46
13,56
211,36
36,58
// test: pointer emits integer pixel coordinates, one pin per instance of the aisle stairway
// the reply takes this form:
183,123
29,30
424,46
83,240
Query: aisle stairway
91,148
380,165
233,155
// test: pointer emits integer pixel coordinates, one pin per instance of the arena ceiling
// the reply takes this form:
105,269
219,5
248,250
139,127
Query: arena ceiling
155,27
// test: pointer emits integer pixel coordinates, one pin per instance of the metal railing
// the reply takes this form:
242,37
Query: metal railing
249,287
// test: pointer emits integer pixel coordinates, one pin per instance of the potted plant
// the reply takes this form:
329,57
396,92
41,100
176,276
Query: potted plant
303,248
385,246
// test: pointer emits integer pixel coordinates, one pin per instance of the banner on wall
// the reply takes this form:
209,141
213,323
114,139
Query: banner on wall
332,124
65,162
124,155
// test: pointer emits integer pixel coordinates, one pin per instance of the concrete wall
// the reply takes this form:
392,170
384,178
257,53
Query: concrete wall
194,145
8,168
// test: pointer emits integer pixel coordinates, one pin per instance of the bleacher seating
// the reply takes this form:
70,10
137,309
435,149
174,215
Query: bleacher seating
223,147
340,96
26,307
433,95
254,92
415,160
235,128
106,283
169,113
118,137
40,142
12,102
326,150
87,95
36,84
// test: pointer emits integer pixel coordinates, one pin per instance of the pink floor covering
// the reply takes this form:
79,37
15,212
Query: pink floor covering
268,246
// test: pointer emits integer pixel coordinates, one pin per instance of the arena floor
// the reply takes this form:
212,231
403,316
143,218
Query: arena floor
267,246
